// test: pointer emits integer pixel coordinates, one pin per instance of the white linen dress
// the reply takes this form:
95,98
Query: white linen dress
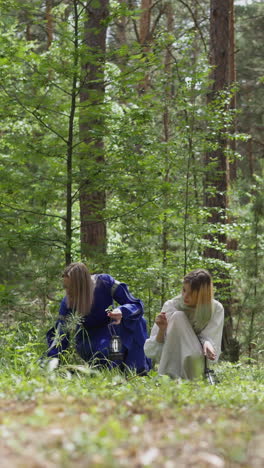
181,354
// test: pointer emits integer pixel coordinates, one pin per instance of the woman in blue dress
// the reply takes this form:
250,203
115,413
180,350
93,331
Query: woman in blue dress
91,297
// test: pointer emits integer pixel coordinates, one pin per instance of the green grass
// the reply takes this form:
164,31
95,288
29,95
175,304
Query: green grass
102,419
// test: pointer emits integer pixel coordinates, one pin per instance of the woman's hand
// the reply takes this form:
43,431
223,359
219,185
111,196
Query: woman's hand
161,321
115,315
209,351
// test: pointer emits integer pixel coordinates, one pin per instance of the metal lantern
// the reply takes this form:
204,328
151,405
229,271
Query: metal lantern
115,345
115,348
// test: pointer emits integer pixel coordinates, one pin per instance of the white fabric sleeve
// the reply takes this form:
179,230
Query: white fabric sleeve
153,349
214,330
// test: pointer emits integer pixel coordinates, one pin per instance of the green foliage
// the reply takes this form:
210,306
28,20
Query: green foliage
249,292
157,127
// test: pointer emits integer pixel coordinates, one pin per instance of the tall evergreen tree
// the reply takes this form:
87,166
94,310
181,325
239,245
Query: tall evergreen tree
217,174
92,158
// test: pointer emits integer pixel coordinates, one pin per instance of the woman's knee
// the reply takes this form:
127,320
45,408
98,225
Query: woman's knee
177,317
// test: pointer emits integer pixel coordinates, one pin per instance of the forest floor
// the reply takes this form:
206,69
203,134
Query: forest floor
60,419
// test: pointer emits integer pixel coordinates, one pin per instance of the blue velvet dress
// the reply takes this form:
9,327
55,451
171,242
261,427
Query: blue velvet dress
93,334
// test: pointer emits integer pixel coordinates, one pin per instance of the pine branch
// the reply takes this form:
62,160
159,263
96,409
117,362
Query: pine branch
32,212
34,113
195,22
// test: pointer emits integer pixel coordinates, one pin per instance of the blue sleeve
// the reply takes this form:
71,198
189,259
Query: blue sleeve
131,307
132,327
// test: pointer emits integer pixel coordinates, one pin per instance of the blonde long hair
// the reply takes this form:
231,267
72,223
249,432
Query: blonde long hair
81,288
201,282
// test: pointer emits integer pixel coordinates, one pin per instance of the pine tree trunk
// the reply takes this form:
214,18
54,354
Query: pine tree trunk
144,24
232,165
216,175
216,180
232,79
70,141
144,38
49,25
92,194
166,138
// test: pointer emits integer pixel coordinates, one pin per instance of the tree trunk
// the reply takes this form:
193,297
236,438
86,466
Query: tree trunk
92,195
144,23
121,26
144,38
232,169
49,25
232,165
216,179
70,141
166,138
216,174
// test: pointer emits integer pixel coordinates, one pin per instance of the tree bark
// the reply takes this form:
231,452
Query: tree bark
216,174
49,24
121,26
144,23
70,140
216,179
166,138
232,164
144,39
92,195
232,167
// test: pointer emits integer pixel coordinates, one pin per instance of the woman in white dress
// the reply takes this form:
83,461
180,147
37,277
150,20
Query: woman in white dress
189,327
